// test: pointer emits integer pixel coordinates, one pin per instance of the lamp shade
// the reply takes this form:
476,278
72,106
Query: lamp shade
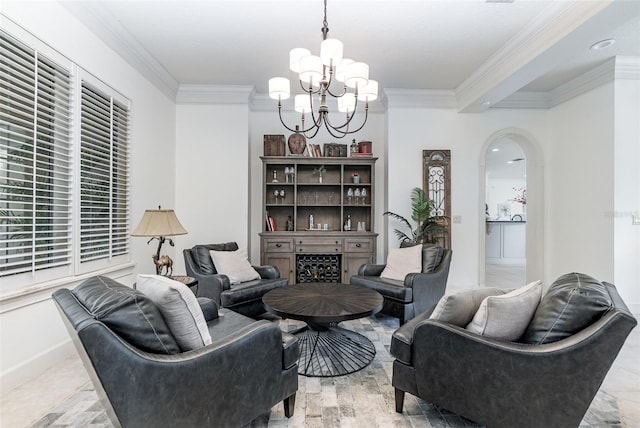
342,68
302,103
279,88
331,52
369,92
357,74
311,69
347,103
159,223
294,58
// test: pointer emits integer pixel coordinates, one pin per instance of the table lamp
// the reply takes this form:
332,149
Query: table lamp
158,224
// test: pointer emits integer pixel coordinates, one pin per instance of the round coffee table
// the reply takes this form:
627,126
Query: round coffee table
325,348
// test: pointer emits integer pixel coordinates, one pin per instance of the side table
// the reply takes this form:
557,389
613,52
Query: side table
189,281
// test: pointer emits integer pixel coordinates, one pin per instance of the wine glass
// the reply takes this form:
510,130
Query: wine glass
349,195
286,174
330,198
363,193
357,195
276,193
316,197
282,195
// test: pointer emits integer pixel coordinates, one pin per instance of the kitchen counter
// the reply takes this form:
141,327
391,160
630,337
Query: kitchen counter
505,242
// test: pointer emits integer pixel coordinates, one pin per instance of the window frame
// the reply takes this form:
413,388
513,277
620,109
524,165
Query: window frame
36,281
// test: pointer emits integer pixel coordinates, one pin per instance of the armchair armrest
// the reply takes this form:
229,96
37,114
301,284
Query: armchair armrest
209,285
371,269
428,288
268,272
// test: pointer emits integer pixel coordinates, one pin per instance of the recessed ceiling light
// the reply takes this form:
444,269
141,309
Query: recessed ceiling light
495,149
486,103
602,44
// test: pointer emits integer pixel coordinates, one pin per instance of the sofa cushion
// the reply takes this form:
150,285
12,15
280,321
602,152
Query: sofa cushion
507,316
574,301
235,265
179,308
202,257
128,312
459,308
431,257
402,261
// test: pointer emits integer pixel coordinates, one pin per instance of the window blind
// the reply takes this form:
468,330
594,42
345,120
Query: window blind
35,160
104,176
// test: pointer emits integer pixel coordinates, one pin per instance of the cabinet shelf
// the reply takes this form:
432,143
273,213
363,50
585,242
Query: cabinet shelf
327,202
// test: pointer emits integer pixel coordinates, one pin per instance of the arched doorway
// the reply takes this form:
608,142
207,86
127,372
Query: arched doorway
521,265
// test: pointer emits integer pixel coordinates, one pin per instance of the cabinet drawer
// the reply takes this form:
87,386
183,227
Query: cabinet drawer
319,245
361,245
278,245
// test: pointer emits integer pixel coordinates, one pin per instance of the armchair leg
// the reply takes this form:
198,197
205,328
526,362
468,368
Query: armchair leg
289,405
399,400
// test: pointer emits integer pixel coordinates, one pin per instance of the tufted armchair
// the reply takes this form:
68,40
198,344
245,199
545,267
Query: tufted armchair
419,292
245,297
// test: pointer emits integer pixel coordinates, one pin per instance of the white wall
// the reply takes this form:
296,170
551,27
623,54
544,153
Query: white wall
412,130
626,190
31,331
579,186
212,175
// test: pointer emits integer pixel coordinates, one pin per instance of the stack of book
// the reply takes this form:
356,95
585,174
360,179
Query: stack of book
270,223
314,150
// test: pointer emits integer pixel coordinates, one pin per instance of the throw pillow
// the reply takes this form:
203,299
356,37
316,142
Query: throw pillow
402,261
573,302
235,265
460,307
180,309
506,317
128,312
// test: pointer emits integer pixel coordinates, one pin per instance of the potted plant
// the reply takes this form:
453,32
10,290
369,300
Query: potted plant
429,228
319,171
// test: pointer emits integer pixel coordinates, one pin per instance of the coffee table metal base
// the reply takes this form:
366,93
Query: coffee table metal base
333,351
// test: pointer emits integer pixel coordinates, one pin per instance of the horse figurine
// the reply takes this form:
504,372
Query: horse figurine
164,262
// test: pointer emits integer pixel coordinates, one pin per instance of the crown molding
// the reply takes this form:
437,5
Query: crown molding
504,73
627,67
522,99
214,94
96,17
417,98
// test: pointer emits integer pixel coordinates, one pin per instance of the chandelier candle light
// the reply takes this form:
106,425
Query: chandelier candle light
316,73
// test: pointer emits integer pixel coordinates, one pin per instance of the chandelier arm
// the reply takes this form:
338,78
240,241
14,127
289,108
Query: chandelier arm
338,133
347,132
302,130
310,89
280,116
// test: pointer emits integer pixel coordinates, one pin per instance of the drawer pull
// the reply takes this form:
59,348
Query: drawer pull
358,245
278,245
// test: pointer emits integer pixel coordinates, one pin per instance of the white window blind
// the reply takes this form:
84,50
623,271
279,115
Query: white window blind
35,160
104,176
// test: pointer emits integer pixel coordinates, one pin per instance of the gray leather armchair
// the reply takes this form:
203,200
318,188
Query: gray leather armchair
508,384
419,292
244,298
250,366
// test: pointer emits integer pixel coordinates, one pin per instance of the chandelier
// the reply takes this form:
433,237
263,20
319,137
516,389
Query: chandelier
316,74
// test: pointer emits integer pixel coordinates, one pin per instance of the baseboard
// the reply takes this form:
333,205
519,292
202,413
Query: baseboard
35,366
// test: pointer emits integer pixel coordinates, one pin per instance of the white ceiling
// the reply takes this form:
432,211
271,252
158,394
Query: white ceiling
483,51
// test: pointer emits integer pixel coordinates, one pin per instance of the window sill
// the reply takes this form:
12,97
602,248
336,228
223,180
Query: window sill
13,300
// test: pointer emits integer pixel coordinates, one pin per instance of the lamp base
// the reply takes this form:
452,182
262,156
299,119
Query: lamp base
161,263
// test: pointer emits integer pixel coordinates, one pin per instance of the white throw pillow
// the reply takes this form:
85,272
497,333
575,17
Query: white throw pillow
506,317
402,261
179,308
459,308
235,265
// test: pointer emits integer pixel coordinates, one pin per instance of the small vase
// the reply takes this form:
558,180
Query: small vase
356,180
320,178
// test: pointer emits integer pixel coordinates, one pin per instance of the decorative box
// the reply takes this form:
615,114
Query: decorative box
274,145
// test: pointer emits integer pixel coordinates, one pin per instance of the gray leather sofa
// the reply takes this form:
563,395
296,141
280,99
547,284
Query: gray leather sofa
142,377
244,298
419,292
547,379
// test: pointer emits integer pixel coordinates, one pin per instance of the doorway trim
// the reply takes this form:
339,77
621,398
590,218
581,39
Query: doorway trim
535,202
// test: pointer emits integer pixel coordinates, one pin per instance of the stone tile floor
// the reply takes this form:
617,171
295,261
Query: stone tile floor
364,398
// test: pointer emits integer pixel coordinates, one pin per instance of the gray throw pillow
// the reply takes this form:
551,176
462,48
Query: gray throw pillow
180,310
506,317
128,312
459,308
573,302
